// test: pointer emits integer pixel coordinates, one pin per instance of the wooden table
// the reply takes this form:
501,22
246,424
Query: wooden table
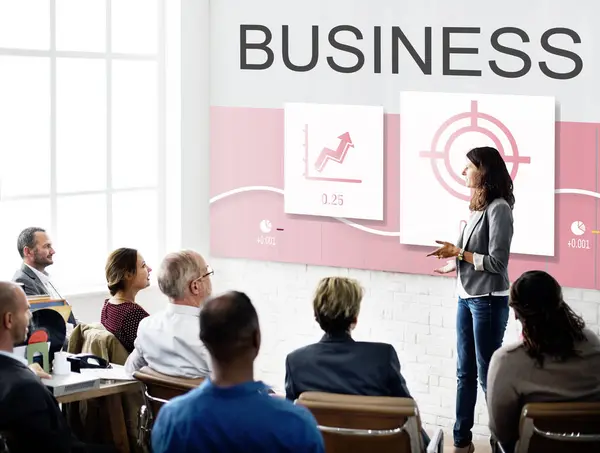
110,392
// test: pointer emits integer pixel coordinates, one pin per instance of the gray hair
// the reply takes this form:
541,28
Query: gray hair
176,272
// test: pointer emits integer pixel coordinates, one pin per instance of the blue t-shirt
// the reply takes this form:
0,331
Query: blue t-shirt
242,418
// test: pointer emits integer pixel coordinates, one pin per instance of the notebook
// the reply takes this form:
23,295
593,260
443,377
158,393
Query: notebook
67,384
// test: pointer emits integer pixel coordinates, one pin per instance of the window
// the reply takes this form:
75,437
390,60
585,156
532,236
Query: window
83,131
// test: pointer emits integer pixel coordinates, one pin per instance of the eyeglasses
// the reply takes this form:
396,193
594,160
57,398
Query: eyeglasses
209,271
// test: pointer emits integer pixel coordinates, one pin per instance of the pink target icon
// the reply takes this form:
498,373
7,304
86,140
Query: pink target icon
474,122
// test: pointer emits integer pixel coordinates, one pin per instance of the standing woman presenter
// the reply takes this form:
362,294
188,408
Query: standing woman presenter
481,262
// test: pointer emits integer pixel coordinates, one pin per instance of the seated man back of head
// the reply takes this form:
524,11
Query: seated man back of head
29,414
231,412
169,341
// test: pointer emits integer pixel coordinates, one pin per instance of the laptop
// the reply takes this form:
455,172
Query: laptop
61,385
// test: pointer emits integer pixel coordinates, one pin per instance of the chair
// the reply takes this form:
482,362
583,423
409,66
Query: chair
158,390
89,419
558,428
357,424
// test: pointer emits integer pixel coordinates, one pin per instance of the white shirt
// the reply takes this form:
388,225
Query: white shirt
169,342
45,279
478,264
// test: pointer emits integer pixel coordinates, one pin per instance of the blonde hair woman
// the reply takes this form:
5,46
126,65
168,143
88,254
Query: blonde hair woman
337,363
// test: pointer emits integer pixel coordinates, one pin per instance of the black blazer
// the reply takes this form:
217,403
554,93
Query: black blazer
29,413
33,286
338,364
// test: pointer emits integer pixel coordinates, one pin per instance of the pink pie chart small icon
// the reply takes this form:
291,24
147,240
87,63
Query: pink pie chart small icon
578,228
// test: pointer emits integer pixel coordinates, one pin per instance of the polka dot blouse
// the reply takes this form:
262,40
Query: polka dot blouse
122,321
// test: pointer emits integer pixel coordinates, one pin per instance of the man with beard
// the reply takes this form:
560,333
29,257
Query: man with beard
35,248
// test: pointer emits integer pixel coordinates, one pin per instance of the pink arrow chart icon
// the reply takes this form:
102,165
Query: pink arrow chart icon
338,155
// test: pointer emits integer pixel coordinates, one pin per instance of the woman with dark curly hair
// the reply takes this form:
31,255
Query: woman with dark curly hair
481,261
558,358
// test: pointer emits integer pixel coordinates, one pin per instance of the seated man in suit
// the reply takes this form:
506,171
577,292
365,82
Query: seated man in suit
29,414
35,248
337,363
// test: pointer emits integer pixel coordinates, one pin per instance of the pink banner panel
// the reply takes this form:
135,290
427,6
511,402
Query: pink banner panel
248,219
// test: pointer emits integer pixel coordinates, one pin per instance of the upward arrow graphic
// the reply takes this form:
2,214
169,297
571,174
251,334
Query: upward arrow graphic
338,155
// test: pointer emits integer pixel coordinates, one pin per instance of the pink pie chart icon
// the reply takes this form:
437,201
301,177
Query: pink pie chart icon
578,228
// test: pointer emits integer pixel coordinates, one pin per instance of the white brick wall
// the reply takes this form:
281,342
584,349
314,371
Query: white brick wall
415,313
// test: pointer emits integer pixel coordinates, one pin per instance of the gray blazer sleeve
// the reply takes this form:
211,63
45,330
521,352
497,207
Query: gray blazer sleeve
500,221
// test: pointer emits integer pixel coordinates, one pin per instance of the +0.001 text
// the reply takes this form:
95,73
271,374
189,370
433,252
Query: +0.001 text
579,244
266,240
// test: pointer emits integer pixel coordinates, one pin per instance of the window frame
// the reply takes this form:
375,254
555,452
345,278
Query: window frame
160,188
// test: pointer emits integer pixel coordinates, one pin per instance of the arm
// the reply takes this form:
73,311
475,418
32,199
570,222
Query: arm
315,441
164,436
502,398
290,391
36,419
135,361
396,382
500,221
311,440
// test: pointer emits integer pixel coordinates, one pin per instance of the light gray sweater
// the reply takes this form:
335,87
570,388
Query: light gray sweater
515,379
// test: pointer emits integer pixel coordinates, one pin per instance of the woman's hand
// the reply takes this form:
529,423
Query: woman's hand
447,250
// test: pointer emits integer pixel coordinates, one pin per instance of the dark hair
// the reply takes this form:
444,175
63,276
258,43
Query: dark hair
120,264
495,181
27,239
228,324
550,327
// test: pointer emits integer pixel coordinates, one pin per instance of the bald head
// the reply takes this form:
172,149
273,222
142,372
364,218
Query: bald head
9,296
14,315
229,327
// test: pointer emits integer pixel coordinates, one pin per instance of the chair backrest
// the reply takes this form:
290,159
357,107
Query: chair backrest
160,388
95,339
358,424
559,427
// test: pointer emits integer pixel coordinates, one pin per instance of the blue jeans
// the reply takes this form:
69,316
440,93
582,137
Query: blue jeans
480,326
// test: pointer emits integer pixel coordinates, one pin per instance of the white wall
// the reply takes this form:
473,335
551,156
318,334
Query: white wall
414,313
